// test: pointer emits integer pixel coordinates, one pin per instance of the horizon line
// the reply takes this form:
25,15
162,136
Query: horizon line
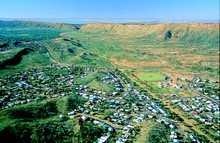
111,20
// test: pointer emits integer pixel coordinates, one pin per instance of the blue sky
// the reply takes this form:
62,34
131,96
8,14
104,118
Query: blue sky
139,9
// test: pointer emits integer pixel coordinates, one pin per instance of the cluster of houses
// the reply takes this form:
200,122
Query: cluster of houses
156,109
33,85
175,135
206,87
127,132
130,106
167,123
193,138
128,103
86,118
169,82
203,110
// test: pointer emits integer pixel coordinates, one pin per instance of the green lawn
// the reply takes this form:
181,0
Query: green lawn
101,86
150,77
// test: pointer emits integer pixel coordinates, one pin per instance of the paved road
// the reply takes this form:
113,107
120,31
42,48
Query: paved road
193,90
115,126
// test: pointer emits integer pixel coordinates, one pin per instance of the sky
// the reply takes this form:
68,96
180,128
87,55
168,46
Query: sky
111,9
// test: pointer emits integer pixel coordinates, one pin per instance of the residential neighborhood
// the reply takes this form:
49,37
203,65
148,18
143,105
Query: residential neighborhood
120,109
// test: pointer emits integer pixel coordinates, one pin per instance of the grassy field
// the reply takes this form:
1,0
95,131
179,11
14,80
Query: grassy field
146,50
144,133
150,77
193,49
101,86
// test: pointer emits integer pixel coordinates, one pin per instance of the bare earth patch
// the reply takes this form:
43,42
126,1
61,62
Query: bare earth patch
190,59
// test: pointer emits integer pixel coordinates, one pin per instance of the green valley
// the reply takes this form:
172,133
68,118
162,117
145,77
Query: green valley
105,82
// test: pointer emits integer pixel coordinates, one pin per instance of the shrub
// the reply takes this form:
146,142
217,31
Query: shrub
159,134
90,132
51,131
14,134
34,111
74,101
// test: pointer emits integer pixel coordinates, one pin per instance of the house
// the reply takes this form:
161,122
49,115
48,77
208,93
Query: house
71,113
138,119
62,117
84,117
103,139
172,126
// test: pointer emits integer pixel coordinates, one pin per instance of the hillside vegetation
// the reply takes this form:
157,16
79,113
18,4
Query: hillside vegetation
190,48
18,31
183,33
166,48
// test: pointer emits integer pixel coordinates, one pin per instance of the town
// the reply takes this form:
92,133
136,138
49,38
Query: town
120,109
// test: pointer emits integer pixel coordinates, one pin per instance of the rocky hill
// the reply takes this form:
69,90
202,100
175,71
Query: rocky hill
193,33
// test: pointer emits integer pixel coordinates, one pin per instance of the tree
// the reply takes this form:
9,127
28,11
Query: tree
52,131
159,134
107,113
74,101
168,35
20,132
90,132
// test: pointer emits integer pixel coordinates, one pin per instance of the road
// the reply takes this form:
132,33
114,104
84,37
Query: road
115,126
54,60
193,90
